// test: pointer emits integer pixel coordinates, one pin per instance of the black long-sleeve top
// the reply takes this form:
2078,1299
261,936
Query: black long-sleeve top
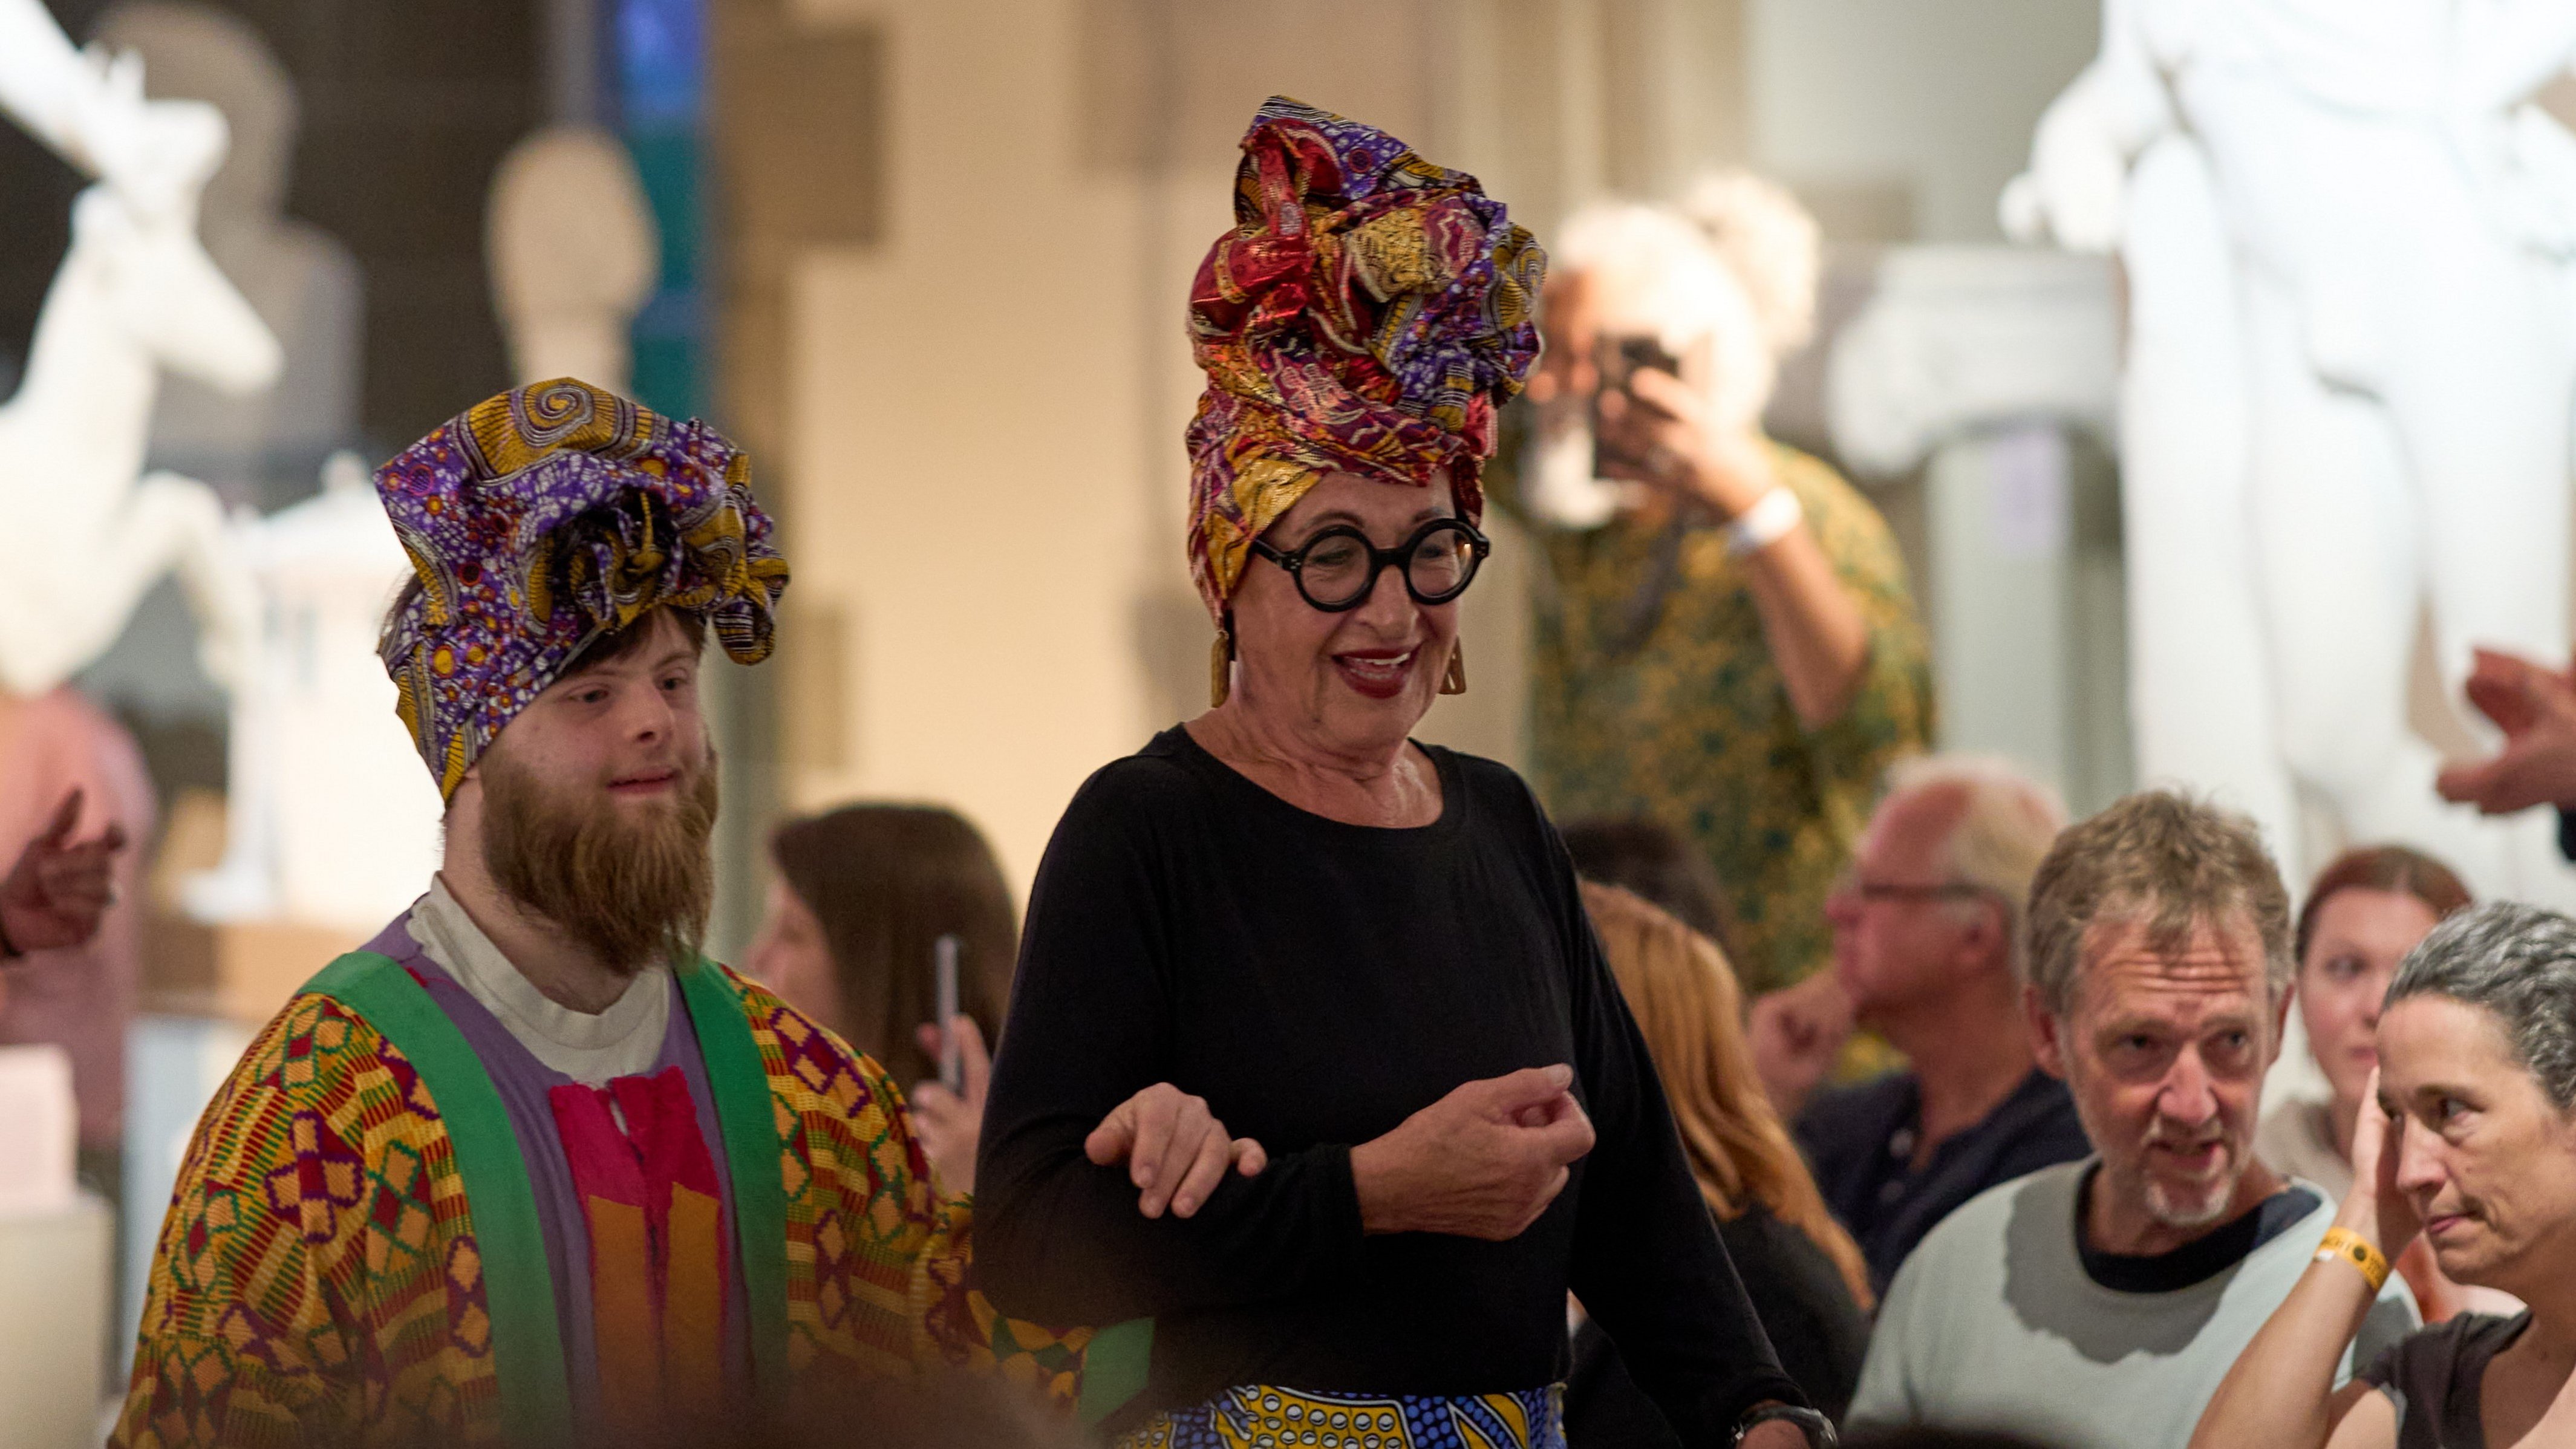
1318,983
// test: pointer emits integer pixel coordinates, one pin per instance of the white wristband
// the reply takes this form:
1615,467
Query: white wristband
1765,523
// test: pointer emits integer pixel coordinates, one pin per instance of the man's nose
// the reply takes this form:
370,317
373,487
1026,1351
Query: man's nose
2188,1096
648,715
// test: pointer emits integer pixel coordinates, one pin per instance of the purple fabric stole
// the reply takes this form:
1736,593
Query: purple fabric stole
525,1085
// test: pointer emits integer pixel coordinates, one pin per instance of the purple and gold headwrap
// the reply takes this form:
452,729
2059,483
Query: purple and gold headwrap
1366,315
539,520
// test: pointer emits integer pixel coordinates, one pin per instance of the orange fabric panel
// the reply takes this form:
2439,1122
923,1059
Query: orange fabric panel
693,1302
621,1296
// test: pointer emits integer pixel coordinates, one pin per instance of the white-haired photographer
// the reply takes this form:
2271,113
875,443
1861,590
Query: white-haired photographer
1728,645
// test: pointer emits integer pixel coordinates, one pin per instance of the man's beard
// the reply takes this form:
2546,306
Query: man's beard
634,893
2202,1203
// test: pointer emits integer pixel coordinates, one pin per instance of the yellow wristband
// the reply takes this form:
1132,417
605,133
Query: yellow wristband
2343,1245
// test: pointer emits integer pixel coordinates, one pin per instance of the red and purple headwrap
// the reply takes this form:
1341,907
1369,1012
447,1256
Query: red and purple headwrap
1366,315
539,520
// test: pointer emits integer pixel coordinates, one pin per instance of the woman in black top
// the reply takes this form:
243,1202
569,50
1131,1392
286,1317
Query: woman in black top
1367,955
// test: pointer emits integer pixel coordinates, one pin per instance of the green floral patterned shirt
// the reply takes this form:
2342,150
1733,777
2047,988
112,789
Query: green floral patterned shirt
1690,724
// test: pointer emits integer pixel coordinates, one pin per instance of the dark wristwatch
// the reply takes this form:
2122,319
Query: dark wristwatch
1818,1429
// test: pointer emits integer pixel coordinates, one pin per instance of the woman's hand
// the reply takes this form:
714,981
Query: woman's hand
1482,1162
2377,1208
951,1124
2281,1393
1665,421
1175,1149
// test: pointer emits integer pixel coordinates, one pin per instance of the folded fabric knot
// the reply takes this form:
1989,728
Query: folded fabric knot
1367,314
542,518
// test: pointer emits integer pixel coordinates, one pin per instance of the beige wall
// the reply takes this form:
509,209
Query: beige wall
983,398
966,512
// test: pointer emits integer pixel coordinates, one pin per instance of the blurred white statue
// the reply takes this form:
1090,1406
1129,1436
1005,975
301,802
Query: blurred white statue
88,109
135,293
2348,389
573,254
303,283
333,822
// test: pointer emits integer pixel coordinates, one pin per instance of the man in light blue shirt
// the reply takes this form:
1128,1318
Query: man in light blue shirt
2098,1304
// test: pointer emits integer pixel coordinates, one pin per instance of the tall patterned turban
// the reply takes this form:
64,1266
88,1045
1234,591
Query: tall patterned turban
543,518
1366,315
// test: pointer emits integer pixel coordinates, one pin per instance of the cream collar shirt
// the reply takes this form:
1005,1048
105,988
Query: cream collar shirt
622,1041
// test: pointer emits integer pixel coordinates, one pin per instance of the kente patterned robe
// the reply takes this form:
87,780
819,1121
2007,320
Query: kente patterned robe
352,1254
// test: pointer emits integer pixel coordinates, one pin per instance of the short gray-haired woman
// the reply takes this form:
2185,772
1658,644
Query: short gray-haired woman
1368,955
2469,1137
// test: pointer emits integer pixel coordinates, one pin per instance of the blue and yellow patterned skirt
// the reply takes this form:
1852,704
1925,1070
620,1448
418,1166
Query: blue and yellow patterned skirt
1263,1417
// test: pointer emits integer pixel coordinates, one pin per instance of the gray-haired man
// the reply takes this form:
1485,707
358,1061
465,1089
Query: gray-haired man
1927,929
2100,1303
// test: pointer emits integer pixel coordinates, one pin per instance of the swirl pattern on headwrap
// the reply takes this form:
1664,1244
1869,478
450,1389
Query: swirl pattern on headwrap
1367,314
538,520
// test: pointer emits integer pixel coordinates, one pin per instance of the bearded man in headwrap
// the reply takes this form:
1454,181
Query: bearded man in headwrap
526,1167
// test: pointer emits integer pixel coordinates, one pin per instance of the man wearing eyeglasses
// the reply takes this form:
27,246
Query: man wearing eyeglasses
1926,926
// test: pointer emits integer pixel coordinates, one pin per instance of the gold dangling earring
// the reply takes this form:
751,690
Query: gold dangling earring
1220,667
1455,681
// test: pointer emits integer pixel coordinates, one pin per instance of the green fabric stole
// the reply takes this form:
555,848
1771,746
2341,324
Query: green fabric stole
527,1337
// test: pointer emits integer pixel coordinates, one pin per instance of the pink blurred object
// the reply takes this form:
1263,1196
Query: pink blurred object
79,998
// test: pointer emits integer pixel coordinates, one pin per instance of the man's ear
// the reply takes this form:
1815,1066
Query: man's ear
1988,937
2047,1034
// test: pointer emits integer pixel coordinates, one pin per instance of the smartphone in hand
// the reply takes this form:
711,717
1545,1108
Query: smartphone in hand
1618,359
952,1061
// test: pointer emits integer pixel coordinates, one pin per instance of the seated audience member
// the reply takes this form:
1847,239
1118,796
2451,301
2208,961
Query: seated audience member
862,897
1926,930
2477,1066
2098,1304
1637,853
1802,1271
2367,909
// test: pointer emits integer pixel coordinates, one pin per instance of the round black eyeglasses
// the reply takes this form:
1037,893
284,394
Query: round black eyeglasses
1337,569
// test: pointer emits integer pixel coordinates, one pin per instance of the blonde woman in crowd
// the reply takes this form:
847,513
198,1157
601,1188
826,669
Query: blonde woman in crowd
1803,1272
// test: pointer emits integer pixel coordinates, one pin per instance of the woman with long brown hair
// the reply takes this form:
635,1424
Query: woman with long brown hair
862,897
1804,1274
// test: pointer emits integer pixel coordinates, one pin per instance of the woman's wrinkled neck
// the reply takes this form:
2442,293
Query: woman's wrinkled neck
1387,785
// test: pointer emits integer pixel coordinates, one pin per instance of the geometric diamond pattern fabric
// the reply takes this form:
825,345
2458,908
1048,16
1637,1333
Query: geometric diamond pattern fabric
317,1278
